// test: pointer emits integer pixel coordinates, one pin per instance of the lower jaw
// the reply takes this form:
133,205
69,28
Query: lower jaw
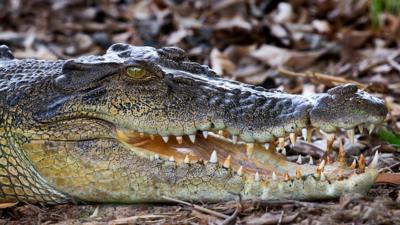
264,176
134,178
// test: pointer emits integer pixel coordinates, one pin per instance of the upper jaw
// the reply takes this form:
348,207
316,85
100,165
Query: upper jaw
346,107
263,116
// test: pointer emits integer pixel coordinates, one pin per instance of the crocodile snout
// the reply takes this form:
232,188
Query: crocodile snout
346,107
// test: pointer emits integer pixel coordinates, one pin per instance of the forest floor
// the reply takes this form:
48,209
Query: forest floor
299,46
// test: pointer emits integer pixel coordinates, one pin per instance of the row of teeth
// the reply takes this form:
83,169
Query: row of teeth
319,173
306,132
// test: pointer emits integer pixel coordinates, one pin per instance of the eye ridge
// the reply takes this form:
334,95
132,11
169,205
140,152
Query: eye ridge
136,72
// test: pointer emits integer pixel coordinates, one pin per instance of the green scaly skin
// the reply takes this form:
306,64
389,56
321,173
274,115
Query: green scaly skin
90,129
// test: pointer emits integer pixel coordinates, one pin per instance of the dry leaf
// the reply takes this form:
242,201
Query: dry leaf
220,62
277,57
269,218
285,13
321,26
388,178
234,22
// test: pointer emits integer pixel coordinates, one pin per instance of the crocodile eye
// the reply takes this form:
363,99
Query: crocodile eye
136,73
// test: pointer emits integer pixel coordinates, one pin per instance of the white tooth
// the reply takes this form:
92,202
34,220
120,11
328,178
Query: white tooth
266,146
350,134
329,141
308,136
257,176
179,139
374,163
323,177
186,160
213,158
371,128
156,156
292,137
298,174
299,160
192,138
311,161
353,164
240,171
227,162
361,128
281,142
172,158
304,133
286,177
165,138
342,152
234,139
221,133
274,176
249,149
284,151
361,163
321,165
205,134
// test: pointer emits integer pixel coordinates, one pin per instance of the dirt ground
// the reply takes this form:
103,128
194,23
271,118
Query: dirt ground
300,46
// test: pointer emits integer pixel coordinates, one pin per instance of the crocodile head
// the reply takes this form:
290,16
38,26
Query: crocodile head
138,123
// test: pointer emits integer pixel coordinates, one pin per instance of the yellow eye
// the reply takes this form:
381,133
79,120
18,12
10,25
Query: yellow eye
136,73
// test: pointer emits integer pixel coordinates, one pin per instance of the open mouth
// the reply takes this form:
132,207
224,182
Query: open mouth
262,160
258,147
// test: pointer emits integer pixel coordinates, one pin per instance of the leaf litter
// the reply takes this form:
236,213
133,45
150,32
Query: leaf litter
297,46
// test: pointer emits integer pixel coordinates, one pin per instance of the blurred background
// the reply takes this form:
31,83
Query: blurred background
300,46
244,39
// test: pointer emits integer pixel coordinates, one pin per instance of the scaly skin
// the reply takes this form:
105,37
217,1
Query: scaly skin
91,129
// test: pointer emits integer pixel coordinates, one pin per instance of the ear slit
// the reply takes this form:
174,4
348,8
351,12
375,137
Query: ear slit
77,75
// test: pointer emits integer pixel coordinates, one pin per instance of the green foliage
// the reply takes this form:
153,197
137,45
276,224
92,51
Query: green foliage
390,137
380,6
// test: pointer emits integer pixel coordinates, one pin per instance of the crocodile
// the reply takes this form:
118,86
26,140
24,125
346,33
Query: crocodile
141,124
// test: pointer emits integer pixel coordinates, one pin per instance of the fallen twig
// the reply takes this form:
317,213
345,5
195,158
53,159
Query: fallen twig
267,218
232,218
133,219
324,78
391,60
280,218
298,204
388,168
197,207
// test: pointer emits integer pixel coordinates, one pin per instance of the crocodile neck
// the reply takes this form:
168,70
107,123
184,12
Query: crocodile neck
18,177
